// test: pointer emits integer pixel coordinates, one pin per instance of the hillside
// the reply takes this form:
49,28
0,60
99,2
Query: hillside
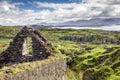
93,54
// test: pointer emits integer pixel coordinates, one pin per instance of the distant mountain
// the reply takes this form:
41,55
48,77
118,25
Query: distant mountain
93,22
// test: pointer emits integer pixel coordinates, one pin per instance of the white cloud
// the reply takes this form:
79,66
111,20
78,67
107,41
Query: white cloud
103,1
5,6
88,9
10,14
55,6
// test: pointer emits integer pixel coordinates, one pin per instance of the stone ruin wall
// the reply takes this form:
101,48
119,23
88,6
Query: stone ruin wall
18,47
17,50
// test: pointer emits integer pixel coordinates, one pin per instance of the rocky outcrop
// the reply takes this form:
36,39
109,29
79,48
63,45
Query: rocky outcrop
97,39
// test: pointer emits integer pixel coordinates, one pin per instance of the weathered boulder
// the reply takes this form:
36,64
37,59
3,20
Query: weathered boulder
97,39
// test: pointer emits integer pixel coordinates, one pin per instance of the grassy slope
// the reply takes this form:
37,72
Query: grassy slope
94,60
6,35
92,64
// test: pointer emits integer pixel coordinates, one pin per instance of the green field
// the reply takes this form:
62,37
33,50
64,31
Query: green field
98,62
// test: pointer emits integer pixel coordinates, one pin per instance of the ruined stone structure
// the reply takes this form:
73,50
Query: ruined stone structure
18,51
18,48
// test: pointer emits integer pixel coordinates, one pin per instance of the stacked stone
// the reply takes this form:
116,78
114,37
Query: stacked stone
40,36
14,53
39,50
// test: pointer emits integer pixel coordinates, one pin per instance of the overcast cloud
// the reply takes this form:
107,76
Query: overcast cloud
11,14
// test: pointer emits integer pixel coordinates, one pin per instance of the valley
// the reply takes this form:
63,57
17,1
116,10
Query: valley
91,54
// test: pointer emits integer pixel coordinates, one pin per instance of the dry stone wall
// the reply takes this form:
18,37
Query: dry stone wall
55,70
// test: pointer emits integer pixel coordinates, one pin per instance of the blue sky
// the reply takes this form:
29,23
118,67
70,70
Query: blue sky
23,12
49,1
28,3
